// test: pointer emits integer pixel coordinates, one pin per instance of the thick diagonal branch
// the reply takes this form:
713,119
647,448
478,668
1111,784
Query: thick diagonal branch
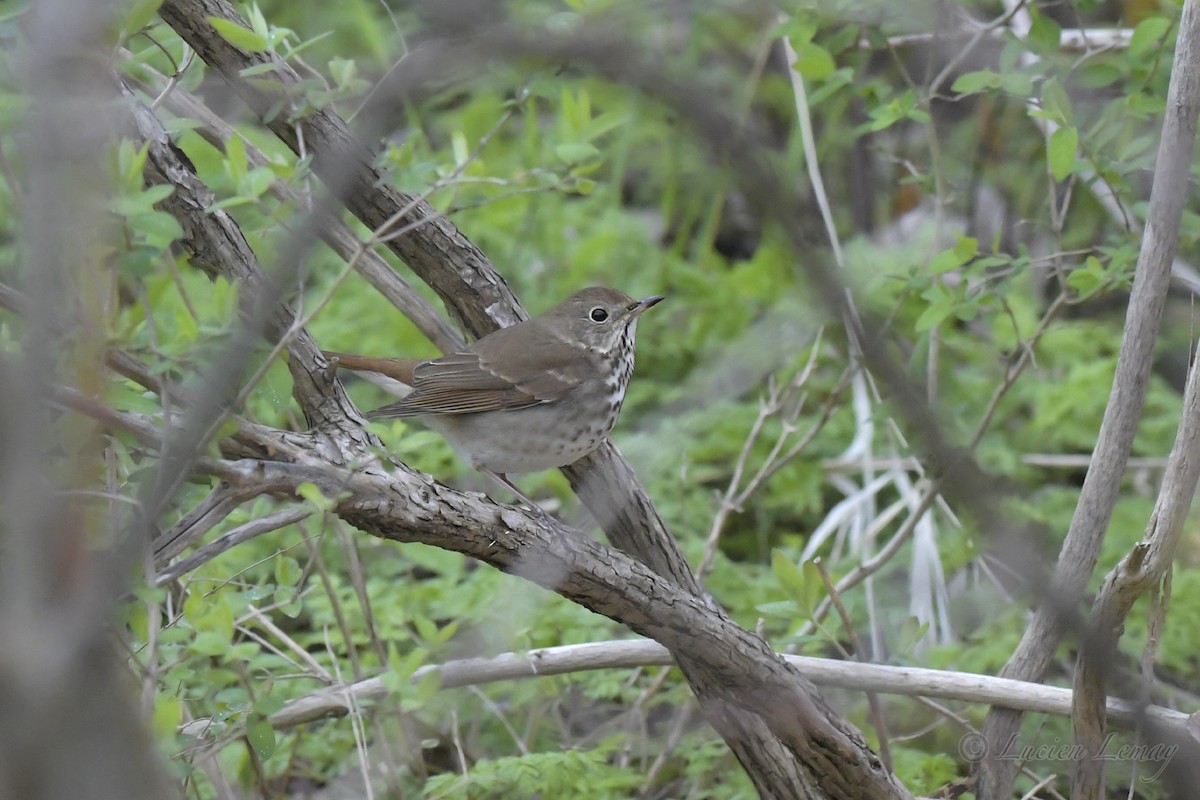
474,293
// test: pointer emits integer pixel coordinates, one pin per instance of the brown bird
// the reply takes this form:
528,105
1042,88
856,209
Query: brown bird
542,393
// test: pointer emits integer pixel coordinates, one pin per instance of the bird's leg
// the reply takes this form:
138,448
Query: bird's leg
561,530
503,480
501,477
512,487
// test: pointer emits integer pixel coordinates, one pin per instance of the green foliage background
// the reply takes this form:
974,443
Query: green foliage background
584,182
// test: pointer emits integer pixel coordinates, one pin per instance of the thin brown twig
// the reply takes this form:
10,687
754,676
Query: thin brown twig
951,65
358,580
231,538
683,718
1012,373
335,605
881,730
866,569
262,620
498,713
774,404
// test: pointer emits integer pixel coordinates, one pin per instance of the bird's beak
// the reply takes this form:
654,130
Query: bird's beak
642,305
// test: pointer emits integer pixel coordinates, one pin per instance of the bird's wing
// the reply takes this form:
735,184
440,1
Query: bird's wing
479,379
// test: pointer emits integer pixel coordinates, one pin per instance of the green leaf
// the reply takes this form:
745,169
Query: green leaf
276,385
605,123
1056,101
458,145
814,585
579,186
1017,83
784,609
288,601
1044,34
287,571
576,112
236,35
1014,82
940,307
813,62
12,107
209,643
911,632
343,70
943,262
962,252
168,714
143,201
314,495
228,428
426,629
966,248
1011,55
243,651
973,82
789,576
1061,150
258,181
218,616
140,15
799,30
156,228
258,22
903,106
968,309
130,162
1099,75
396,680
187,330
262,69
1089,278
236,162
128,397
230,202
426,687
845,38
261,737
576,152
1148,34
445,633
835,83
932,316
270,704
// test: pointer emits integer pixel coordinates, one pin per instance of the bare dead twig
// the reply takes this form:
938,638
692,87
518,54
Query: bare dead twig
881,730
633,653
227,540
786,403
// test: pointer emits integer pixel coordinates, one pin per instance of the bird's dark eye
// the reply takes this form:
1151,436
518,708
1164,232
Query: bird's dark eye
597,314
